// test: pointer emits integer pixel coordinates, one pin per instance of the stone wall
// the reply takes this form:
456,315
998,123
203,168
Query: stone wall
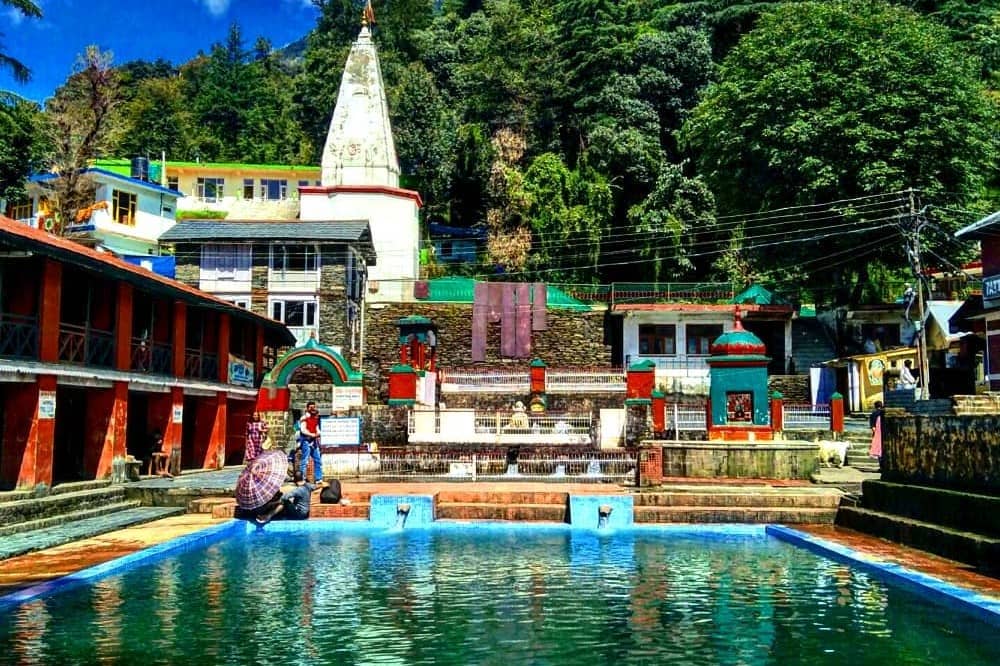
188,264
948,451
793,388
573,339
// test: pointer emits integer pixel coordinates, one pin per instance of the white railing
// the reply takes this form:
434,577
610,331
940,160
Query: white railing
485,381
478,465
677,366
690,420
584,381
470,426
806,417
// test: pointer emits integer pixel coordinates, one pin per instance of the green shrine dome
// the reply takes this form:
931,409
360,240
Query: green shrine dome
738,342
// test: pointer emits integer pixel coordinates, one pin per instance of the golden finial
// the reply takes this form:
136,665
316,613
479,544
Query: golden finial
368,15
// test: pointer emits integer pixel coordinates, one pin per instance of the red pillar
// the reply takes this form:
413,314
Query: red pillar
837,413
659,415
777,412
107,415
402,385
180,335
166,414
223,347
651,466
123,328
48,312
210,431
28,434
640,380
537,376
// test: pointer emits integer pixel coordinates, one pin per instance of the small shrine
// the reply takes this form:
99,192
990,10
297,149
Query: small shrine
417,342
738,401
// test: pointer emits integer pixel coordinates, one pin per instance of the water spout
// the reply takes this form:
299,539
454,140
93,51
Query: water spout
402,511
603,514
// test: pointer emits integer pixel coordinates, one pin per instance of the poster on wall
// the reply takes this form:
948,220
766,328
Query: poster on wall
240,371
346,397
340,431
46,404
178,414
739,406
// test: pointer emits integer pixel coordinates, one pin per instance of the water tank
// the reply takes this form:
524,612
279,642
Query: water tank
155,172
140,168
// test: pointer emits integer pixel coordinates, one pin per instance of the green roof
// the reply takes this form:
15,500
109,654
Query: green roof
757,295
124,166
460,290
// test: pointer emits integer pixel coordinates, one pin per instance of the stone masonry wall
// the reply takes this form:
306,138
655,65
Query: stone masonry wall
948,451
573,339
188,264
793,388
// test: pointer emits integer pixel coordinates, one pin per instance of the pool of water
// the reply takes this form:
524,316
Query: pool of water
493,594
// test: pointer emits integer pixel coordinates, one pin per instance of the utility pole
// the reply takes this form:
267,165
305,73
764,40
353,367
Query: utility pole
918,222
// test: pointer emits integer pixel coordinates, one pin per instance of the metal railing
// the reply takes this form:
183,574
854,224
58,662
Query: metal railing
86,346
154,357
681,365
584,381
470,426
18,335
200,365
679,419
541,464
806,417
487,380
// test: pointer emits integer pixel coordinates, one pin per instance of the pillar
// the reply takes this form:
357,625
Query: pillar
179,337
223,347
837,413
777,412
29,429
49,312
166,414
258,355
210,431
106,419
659,415
651,466
123,328
537,373
640,381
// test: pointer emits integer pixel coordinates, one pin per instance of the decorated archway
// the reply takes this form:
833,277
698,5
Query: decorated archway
274,394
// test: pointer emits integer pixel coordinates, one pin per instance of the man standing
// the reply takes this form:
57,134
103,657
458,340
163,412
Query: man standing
309,442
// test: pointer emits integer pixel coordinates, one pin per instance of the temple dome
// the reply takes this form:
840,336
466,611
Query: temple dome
738,342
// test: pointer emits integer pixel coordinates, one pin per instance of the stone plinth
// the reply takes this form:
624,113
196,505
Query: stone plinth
739,460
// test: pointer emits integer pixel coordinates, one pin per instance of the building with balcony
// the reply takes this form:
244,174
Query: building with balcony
96,353
311,276
980,313
126,216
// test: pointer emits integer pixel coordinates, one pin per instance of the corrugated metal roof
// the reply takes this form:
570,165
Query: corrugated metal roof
135,182
460,290
977,230
356,232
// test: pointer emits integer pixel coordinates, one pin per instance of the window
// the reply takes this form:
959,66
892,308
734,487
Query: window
211,189
301,314
293,257
248,189
173,183
242,302
657,339
19,211
227,261
274,190
700,337
123,207
303,183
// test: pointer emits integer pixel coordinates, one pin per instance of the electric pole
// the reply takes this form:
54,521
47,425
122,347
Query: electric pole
918,222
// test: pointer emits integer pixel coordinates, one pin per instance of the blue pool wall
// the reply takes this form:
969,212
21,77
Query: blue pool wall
383,510
584,510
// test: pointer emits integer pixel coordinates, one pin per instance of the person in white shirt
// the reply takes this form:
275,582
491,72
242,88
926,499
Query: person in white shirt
906,378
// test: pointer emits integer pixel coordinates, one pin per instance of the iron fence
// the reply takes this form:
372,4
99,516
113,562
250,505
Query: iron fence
584,381
806,417
18,335
486,380
86,346
470,426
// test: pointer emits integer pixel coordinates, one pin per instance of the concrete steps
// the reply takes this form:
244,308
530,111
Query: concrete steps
982,552
62,518
76,528
56,504
738,505
724,514
496,511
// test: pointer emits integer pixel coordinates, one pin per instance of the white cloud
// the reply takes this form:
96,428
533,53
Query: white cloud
15,16
216,7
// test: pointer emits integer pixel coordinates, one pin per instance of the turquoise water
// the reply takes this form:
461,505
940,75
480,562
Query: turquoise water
492,595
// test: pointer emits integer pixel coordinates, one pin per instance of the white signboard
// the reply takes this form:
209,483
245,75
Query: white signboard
346,397
340,431
46,404
178,414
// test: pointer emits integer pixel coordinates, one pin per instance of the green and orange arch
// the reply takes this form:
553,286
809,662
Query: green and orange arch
274,396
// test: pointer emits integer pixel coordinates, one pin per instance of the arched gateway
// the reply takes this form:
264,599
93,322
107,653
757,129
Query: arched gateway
274,394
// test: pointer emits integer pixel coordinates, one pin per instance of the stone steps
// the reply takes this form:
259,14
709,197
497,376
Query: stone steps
733,514
951,509
83,528
497,511
792,499
63,518
37,508
980,551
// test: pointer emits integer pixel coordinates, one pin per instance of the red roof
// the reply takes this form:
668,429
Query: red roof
48,244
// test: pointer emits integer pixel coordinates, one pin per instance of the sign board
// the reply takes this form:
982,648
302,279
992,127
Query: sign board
346,397
240,371
46,404
178,414
991,290
340,431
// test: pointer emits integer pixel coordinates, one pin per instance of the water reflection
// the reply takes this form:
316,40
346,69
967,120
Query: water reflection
107,627
31,623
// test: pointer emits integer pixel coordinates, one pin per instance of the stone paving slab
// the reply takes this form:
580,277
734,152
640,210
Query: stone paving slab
47,537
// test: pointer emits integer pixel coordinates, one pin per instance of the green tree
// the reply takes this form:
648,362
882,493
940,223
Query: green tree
28,9
155,120
20,149
827,101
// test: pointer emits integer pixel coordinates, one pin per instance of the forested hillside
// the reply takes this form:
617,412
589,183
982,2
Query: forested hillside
602,140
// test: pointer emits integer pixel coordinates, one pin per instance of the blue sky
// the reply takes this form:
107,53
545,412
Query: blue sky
137,29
